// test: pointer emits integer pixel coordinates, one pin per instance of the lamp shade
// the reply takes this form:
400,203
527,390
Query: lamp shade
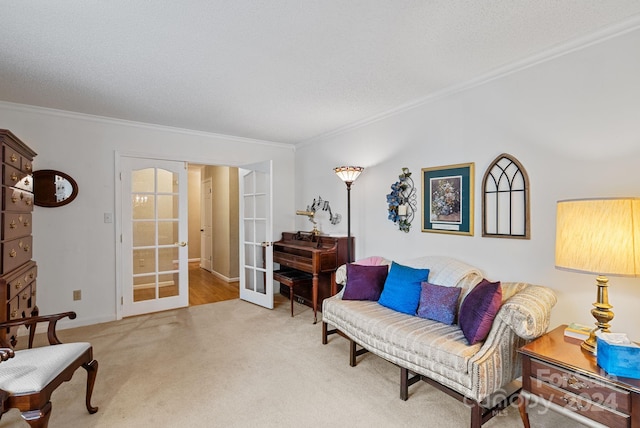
600,236
348,174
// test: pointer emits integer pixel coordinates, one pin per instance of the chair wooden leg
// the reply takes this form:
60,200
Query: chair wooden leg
38,418
92,371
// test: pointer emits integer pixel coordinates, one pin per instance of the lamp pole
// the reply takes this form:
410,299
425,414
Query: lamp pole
348,174
348,183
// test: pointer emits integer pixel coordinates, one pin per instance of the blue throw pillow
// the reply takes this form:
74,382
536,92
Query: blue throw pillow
402,288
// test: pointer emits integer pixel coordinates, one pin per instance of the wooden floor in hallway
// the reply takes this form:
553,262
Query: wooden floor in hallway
205,287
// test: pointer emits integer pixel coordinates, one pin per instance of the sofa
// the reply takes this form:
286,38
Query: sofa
483,375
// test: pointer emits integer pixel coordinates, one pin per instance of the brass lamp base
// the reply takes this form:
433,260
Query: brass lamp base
589,344
601,312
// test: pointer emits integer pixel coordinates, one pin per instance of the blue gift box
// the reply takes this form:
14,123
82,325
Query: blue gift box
619,359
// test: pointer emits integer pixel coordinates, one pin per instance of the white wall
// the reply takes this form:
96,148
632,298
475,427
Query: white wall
573,122
73,246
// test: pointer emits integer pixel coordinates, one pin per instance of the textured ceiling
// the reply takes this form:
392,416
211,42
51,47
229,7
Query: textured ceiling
275,70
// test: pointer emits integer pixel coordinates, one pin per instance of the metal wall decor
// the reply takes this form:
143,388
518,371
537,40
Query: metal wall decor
319,205
402,201
505,199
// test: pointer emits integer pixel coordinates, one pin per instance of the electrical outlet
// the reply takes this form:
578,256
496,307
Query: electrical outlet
77,295
141,262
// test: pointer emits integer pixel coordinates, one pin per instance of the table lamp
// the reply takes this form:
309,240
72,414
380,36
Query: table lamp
602,237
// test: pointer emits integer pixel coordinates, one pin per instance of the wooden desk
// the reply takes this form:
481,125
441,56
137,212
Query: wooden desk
555,369
317,255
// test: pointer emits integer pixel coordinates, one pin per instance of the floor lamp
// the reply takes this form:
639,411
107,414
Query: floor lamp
348,174
601,237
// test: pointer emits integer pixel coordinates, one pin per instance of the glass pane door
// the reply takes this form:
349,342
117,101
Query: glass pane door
154,228
256,255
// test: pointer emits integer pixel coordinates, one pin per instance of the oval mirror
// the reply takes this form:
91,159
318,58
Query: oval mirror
53,188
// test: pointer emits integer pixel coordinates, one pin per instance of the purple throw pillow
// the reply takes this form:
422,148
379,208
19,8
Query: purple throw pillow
478,310
438,303
364,282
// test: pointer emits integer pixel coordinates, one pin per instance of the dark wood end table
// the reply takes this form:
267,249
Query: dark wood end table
558,374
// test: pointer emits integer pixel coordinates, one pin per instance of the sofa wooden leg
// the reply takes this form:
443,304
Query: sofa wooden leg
92,370
324,333
38,418
353,352
406,382
476,415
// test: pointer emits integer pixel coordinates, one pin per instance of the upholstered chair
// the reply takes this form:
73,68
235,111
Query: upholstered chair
29,376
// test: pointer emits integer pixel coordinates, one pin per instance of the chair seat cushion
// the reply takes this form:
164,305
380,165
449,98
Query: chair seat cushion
33,369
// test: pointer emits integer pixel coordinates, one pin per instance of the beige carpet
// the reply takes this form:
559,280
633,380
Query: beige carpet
234,364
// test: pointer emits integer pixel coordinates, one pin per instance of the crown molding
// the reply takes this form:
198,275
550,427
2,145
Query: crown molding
140,125
573,45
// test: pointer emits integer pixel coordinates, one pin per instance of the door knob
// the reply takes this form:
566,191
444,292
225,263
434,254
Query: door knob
182,244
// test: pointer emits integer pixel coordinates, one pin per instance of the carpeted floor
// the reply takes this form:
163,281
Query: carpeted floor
234,364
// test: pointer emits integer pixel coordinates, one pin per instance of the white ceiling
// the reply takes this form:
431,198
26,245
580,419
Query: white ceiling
275,70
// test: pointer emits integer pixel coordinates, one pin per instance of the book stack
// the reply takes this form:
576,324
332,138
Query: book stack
578,331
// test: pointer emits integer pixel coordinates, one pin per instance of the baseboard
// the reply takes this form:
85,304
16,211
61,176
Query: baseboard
67,323
153,285
223,277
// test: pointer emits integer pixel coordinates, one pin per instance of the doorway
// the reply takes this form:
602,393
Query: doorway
169,271
205,287
213,224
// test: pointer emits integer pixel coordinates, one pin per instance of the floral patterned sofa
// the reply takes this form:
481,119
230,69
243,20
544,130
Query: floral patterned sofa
483,375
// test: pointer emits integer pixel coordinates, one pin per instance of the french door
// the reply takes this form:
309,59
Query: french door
256,234
154,235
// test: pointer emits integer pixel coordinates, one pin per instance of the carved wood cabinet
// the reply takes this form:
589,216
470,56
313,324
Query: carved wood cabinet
17,270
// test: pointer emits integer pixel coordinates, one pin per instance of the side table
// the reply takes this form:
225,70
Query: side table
558,374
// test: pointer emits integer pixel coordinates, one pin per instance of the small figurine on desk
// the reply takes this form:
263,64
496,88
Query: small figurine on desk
311,215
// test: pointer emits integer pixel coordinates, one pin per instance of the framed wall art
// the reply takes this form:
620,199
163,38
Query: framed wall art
447,199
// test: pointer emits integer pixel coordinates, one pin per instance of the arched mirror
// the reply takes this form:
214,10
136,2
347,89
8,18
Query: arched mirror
53,188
